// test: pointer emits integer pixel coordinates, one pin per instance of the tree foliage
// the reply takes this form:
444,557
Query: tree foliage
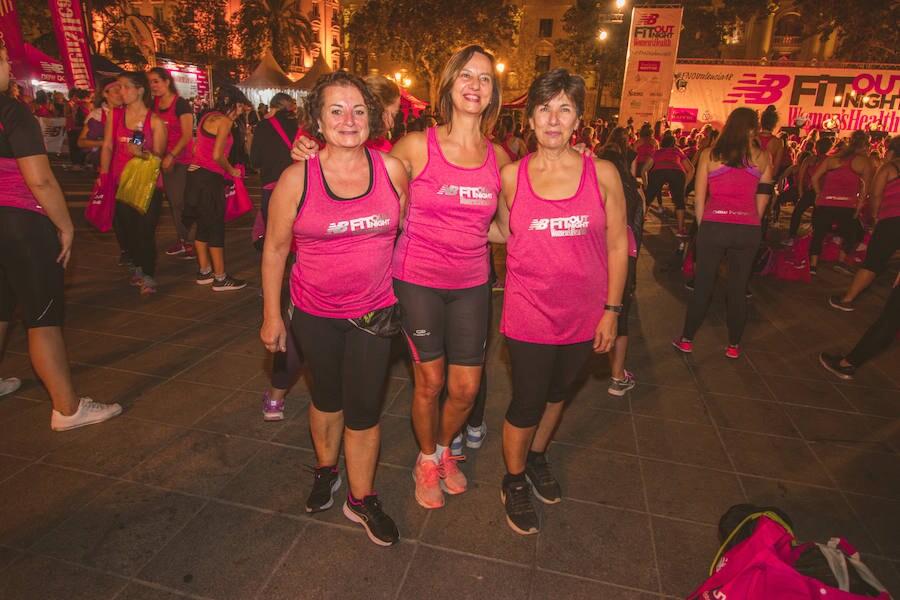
410,33
199,31
866,30
279,25
587,55
706,24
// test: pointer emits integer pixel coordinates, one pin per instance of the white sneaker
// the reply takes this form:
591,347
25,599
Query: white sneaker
475,435
88,413
9,385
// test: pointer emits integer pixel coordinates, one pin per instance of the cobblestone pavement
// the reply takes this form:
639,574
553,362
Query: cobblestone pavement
190,494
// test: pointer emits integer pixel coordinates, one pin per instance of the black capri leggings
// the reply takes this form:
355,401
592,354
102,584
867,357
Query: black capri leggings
204,204
847,225
541,374
348,367
29,272
885,241
879,336
802,205
675,179
715,241
139,232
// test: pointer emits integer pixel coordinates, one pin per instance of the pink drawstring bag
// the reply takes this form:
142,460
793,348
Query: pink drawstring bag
237,198
101,206
761,567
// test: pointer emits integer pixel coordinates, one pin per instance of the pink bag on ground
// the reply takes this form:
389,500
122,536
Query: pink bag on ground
237,198
101,206
761,567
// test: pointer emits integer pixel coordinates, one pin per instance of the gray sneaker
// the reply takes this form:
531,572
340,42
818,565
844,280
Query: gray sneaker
88,413
9,385
619,387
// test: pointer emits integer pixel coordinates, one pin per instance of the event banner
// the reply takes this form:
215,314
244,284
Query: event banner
835,99
652,48
72,40
11,35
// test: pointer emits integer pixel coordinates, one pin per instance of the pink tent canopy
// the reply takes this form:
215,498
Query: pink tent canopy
42,68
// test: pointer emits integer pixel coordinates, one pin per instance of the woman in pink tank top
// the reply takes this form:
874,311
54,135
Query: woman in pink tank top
841,183
179,117
567,260
885,238
732,186
807,195
204,190
341,211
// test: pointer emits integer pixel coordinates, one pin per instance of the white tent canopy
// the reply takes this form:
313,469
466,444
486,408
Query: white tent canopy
267,80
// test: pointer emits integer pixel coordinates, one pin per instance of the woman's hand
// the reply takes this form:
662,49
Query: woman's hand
235,173
167,162
304,148
273,335
605,333
65,246
135,150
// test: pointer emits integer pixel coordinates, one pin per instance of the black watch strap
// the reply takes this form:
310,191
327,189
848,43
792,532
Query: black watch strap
616,309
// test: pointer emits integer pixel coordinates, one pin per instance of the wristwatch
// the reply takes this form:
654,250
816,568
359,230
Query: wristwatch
616,309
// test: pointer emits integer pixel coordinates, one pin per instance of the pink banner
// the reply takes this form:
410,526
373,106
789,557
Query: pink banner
11,34
72,40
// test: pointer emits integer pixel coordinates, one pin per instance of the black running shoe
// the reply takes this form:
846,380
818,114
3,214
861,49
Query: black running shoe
380,528
832,362
516,497
326,483
544,484
228,283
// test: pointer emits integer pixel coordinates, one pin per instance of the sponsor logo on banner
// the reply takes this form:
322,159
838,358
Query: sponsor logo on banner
652,48
805,96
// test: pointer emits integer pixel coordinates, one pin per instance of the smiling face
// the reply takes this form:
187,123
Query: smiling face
554,122
471,92
158,85
344,120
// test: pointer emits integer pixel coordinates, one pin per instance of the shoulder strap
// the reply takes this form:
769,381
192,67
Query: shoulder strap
280,130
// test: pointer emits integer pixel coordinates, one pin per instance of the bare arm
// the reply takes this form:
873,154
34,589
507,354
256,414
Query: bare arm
160,135
84,143
400,181
223,130
282,211
616,251
767,175
40,180
644,171
878,185
499,232
412,151
187,125
106,151
700,185
868,172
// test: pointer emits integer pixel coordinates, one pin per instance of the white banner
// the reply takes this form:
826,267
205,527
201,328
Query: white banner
54,132
808,97
652,48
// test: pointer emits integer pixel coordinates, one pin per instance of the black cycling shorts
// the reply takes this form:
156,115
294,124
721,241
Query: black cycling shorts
29,272
204,204
885,241
451,323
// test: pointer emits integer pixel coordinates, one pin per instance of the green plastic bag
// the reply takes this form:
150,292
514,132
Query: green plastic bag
138,181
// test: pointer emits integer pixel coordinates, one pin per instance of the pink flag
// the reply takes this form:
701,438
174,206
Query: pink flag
72,40
12,37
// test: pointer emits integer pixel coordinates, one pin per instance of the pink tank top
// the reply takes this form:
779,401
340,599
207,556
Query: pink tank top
668,158
444,239
344,247
732,196
556,263
890,200
121,136
381,144
813,165
16,192
840,187
173,128
203,147
644,151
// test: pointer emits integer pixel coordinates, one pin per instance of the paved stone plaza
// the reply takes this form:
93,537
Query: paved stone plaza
190,494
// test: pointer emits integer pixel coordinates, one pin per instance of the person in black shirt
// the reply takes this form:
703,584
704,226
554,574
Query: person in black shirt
272,140
36,234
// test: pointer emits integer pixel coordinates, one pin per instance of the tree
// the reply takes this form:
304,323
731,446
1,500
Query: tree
866,31
199,31
278,25
587,55
706,24
410,33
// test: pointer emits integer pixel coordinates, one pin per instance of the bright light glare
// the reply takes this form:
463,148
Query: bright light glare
500,67
620,3
602,35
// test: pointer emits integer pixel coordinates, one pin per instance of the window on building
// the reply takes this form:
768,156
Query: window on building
334,41
158,14
315,11
335,16
545,28
541,64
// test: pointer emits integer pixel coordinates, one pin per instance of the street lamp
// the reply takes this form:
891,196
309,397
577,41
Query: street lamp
602,35
620,4
501,67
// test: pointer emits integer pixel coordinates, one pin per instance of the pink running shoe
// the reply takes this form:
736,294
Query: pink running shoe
452,479
733,352
683,345
427,476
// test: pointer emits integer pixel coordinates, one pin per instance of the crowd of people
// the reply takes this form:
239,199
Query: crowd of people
385,229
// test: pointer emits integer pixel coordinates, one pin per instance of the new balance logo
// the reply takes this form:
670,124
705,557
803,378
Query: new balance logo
360,225
562,226
765,90
648,19
473,196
